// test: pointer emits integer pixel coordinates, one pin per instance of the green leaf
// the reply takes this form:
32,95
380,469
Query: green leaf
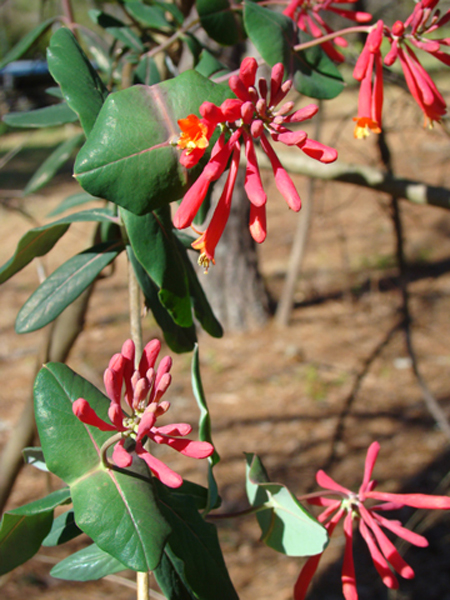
156,249
274,36
220,22
26,42
71,202
179,339
41,240
147,72
172,9
204,433
98,49
117,29
23,529
151,16
52,164
117,510
64,285
35,242
81,86
166,575
285,525
63,530
202,309
87,564
57,114
35,458
209,65
133,164
193,548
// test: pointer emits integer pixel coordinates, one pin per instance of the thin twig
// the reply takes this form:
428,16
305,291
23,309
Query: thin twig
431,403
363,175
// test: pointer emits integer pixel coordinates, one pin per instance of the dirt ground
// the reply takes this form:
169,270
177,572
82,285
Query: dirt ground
313,395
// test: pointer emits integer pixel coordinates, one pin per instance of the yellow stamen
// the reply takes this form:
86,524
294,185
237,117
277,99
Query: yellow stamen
193,134
363,127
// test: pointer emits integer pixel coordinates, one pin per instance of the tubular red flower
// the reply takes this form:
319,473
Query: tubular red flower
258,223
208,241
307,15
249,116
143,391
382,550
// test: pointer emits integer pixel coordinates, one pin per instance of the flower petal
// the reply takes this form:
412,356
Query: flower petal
371,457
189,448
387,547
379,561
282,180
414,500
83,411
149,356
348,567
120,456
328,483
159,469
397,528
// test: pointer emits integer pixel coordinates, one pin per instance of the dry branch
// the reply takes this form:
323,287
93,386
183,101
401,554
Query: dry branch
363,175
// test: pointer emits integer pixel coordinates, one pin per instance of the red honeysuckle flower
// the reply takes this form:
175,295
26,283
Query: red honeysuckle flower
142,390
252,115
370,99
306,13
351,506
423,20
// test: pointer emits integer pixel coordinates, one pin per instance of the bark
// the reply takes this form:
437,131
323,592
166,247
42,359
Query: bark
234,285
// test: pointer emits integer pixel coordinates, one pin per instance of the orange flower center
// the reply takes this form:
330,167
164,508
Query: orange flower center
363,127
193,134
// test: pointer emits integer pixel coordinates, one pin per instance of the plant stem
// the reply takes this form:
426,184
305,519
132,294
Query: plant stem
134,294
143,587
173,38
332,36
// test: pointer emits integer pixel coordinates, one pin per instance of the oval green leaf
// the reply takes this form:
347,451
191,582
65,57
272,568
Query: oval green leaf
52,164
116,509
286,525
88,564
64,285
23,529
26,42
275,36
49,116
128,159
155,247
220,22
81,86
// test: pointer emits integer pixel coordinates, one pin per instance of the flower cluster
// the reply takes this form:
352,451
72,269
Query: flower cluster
252,115
306,13
351,507
143,389
402,37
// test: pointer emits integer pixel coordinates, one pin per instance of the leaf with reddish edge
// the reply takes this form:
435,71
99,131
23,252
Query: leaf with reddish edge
128,157
286,526
132,529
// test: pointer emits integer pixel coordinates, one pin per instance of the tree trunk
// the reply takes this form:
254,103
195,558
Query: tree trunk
234,285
